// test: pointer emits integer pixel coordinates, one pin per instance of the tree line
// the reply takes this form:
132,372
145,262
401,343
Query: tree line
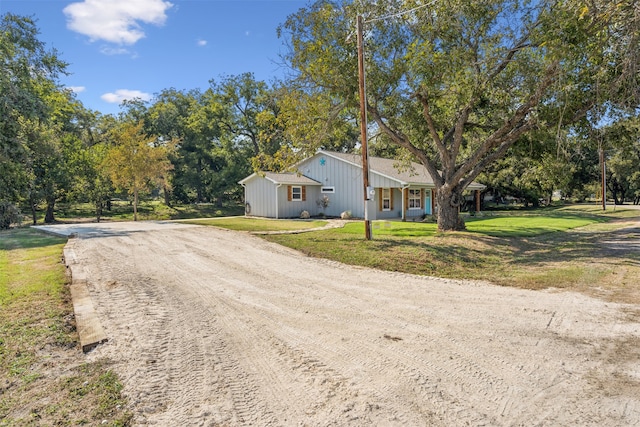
521,96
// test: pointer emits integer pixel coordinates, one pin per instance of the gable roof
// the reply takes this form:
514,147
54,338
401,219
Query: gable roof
412,174
287,178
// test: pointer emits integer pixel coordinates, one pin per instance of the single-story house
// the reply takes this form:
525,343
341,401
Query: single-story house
399,192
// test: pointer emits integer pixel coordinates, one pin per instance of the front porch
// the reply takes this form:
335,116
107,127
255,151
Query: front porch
410,202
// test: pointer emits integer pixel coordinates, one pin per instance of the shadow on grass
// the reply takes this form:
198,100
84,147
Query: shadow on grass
478,255
26,238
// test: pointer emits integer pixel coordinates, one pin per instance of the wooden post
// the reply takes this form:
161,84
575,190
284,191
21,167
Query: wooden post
604,180
433,201
477,200
363,128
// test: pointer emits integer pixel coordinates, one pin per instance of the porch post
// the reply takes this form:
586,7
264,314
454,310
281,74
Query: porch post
477,200
404,208
433,201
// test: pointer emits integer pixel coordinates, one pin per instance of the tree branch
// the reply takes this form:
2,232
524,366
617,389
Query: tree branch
404,142
510,131
430,124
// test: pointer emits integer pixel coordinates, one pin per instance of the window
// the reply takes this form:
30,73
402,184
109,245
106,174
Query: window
296,193
386,199
415,198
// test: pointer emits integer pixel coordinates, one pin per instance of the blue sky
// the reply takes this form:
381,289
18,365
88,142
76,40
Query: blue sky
135,48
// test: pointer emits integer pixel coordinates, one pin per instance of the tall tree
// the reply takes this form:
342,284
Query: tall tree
85,150
457,83
28,75
134,163
621,142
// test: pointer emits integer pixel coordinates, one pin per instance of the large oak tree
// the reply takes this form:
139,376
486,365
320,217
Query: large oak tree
456,83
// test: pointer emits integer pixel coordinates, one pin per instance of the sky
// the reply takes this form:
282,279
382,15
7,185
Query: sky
124,49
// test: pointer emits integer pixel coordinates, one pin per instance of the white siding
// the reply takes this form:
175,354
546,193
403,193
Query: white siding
378,181
346,178
293,208
260,193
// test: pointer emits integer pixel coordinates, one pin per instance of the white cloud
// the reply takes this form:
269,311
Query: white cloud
125,94
116,21
201,42
107,50
76,89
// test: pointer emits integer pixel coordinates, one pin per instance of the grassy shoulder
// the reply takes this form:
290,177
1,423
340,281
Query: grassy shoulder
155,209
44,377
253,224
568,247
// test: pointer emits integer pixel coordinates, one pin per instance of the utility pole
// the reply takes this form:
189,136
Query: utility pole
604,179
363,127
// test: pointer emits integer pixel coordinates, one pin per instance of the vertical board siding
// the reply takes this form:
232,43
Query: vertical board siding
260,194
293,208
345,177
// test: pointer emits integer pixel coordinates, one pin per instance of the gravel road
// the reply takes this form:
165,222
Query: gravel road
215,327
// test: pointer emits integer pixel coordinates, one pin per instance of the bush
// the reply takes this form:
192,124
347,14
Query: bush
9,214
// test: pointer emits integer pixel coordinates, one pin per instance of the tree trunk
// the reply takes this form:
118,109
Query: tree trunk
98,209
135,203
167,195
34,216
49,216
449,218
199,182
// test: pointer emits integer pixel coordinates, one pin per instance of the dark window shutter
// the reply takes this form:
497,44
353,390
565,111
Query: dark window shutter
304,193
288,192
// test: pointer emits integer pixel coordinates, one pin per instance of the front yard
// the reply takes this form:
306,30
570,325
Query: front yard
548,248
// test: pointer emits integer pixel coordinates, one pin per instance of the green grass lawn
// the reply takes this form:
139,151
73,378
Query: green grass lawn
528,249
257,224
497,226
44,378
122,210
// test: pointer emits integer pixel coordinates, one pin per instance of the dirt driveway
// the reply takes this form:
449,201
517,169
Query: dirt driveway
214,327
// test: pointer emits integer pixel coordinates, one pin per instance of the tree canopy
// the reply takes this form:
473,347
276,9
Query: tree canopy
457,83
521,95
134,163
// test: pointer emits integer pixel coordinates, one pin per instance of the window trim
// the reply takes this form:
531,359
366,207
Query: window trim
327,190
296,197
412,196
387,199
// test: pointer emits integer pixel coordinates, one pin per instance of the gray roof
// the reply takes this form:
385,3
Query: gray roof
412,173
283,178
407,174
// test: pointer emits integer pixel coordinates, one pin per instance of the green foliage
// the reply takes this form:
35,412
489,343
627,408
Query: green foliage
456,84
9,215
37,119
134,164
